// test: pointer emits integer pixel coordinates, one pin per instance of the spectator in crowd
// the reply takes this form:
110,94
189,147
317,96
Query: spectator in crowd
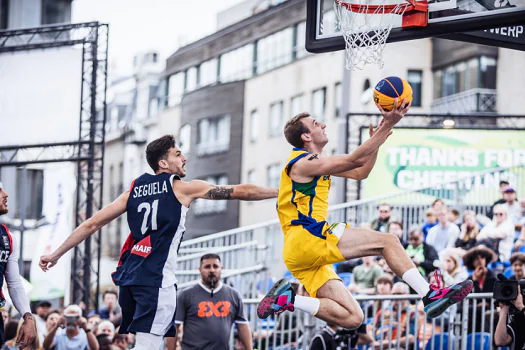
511,323
476,260
382,222
503,184
12,345
365,276
443,235
396,228
10,334
517,262
453,217
93,321
42,310
437,205
521,219
511,203
431,221
51,318
121,341
452,271
104,343
469,230
421,253
5,316
106,327
401,325
521,240
209,309
383,287
498,234
110,312
76,335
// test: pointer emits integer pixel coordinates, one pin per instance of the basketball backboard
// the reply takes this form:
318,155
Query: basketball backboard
490,22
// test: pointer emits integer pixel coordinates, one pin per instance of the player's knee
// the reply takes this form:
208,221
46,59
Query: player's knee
354,320
390,239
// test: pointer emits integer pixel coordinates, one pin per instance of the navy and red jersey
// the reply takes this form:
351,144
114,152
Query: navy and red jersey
156,219
6,248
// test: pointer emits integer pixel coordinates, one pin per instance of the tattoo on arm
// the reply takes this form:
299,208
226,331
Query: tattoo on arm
218,192
313,156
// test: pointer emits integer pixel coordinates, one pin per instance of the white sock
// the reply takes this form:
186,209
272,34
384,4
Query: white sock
307,304
416,281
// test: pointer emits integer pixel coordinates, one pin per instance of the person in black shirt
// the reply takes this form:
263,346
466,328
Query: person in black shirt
502,187
511,324
331,337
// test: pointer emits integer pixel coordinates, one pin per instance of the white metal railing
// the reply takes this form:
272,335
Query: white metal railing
473,100
454,330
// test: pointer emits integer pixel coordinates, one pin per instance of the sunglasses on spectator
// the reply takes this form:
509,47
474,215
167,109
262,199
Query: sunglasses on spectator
384,211
498,214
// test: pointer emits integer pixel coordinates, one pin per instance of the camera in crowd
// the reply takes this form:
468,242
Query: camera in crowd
346,339
506,291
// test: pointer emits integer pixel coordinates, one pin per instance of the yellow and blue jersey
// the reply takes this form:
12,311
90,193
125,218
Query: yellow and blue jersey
303,204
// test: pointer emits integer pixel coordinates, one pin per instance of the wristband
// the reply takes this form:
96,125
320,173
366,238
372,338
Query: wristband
87,330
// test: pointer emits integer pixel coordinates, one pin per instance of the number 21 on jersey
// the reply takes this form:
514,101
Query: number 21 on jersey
149,208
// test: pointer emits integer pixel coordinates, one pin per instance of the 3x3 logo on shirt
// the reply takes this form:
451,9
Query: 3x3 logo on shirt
218,309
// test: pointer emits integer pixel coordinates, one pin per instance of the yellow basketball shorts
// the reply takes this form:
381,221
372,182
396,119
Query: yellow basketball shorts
309,256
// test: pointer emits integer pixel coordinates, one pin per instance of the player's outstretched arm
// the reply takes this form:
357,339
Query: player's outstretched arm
86,229
362,173
202,189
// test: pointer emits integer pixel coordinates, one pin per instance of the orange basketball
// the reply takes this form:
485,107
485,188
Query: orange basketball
390,88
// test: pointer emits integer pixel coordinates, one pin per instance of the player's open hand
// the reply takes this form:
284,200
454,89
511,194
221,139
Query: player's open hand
372,131
47,262
396,114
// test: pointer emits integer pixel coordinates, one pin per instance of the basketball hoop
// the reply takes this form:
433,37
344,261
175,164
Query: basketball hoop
366,27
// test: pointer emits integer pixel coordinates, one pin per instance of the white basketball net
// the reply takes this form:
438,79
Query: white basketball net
366,30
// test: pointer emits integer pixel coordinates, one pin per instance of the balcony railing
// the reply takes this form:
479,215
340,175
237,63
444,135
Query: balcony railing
470,101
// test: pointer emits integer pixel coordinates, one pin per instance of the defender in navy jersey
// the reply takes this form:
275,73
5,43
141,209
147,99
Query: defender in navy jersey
156,207
9,270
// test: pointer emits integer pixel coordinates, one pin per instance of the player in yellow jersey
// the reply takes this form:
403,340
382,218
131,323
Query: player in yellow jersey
311,244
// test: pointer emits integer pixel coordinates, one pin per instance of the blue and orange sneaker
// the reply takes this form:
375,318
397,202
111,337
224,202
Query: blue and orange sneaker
279,299
439,299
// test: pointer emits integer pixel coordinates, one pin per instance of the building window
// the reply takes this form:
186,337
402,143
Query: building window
185,138
237,64
56,11
191,79
274,175
479,72
254,125
251,177
338,98
208,72
276,119
296,105
175,88
319,104
206,206
487,69
34,193
213,135
415,79
300,41
275,50
4,10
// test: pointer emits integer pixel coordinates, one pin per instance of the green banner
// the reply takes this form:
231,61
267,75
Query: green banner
415,158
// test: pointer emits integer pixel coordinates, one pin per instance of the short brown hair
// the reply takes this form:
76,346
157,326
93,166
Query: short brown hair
517,257
294,128
158,149
385,279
